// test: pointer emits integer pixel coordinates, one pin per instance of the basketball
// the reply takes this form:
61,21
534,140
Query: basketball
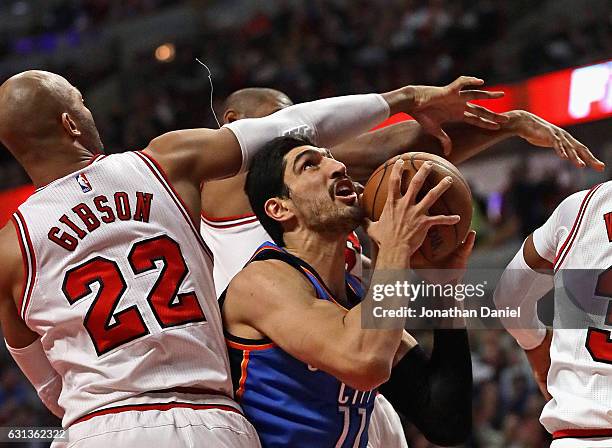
457,200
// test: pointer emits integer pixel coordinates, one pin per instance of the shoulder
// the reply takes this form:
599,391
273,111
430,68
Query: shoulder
196,155
549,238
574,201
574,205
265,286
184,147
262,277
266,290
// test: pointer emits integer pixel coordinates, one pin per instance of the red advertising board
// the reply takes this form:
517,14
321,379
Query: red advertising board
564,98
11,199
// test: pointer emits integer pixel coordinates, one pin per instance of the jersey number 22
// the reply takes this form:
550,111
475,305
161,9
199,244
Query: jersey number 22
110,329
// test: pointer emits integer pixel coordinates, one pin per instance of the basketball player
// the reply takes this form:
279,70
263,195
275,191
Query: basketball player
106,290
304,369
572,363
231,230
233,233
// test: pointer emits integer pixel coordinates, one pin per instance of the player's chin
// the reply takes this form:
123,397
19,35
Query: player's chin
354,215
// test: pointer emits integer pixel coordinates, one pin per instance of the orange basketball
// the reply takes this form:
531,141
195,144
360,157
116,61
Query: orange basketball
457,200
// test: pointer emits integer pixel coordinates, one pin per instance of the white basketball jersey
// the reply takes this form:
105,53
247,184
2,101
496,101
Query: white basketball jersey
119,286
578,239
234,240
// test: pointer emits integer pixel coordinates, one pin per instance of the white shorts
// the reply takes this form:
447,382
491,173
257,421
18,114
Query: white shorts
172,428
386,429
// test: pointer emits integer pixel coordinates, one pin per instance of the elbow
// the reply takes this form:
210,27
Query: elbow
367,372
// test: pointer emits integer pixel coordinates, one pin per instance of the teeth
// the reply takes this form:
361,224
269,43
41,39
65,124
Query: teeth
343,190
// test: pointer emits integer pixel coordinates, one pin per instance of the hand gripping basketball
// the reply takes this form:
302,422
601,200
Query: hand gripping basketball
404,222
441,241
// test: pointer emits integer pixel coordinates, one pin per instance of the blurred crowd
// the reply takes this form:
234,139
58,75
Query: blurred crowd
324,48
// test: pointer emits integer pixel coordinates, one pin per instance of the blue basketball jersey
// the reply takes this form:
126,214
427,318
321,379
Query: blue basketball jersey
290,403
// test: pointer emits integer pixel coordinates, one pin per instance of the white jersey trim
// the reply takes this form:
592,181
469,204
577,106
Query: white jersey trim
29,262
160,175
571,237
229,221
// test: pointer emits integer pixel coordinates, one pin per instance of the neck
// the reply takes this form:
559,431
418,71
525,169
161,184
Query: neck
325,253
54,164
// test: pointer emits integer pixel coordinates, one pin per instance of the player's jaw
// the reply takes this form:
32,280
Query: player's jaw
332,210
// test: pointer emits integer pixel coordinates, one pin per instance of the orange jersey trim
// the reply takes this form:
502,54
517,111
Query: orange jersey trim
243,374
248,348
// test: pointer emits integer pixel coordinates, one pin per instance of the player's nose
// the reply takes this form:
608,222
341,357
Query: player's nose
337,168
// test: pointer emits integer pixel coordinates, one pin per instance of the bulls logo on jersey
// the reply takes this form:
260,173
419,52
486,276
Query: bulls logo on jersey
83,183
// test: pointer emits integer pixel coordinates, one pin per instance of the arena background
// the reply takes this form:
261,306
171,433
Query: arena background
134,60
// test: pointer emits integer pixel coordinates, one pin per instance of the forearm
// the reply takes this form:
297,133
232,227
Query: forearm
430,390
469,141
520,288
365,153
36,367
369,334
326,122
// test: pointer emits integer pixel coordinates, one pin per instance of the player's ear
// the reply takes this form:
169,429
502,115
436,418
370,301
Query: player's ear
231,115
276,208
70,126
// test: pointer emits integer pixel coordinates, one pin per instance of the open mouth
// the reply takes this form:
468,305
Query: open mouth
344,191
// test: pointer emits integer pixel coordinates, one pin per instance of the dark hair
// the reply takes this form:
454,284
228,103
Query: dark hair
266,180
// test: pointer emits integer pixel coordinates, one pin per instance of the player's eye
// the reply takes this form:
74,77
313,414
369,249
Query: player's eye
308,164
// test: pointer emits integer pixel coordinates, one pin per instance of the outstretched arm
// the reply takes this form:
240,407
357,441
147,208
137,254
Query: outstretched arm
206,154
368,151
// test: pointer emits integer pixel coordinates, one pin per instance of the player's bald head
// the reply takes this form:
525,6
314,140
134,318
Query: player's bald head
38,108
254,102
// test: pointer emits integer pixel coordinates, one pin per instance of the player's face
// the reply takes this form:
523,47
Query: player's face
323,196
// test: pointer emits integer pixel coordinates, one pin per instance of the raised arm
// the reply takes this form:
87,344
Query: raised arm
364,154
205,154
